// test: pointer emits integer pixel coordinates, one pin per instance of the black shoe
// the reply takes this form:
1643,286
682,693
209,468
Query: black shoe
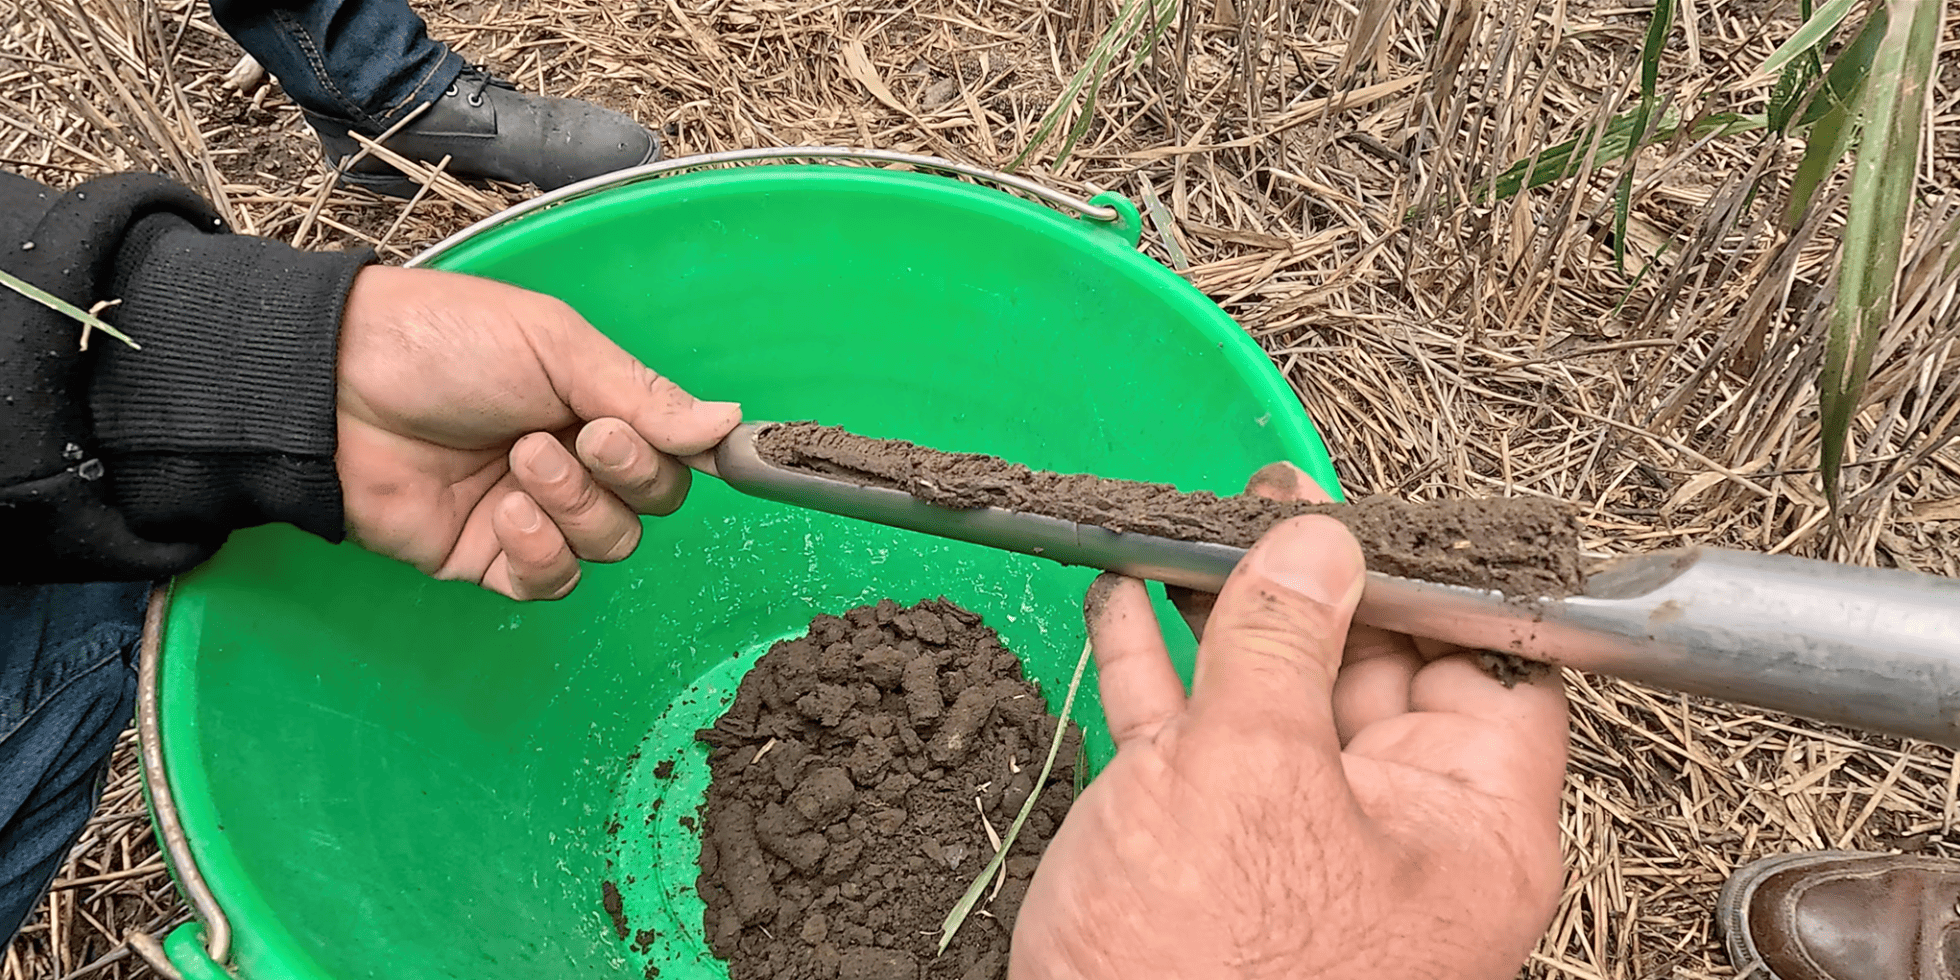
489,129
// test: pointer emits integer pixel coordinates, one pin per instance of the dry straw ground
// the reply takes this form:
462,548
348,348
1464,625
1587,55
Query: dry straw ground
1300,161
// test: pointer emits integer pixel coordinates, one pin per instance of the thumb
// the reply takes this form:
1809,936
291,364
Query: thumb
1273,645
599,380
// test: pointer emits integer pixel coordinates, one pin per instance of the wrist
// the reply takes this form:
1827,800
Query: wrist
225,416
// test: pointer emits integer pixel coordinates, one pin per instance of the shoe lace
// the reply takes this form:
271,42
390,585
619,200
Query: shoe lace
475,79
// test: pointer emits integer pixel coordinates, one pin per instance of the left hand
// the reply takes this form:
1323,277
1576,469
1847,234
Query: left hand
1328,802
490,434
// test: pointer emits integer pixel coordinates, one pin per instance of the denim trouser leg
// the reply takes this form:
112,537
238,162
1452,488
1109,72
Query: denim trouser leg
369,62
67,686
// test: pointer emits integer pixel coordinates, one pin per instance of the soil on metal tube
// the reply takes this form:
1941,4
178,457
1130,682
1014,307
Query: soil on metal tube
1524,548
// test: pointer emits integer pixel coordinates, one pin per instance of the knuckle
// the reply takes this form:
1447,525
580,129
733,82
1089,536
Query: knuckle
560,587
622,545
652,380
1279,616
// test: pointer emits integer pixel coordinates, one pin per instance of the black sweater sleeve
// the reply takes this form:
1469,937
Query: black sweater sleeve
118,463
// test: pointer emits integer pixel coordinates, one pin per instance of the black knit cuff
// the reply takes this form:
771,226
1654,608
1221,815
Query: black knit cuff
225,417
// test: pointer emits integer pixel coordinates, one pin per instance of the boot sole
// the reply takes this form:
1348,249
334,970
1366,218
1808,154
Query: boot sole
1732,907
386,185
400,186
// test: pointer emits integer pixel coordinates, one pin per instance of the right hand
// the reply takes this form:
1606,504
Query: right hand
1330,801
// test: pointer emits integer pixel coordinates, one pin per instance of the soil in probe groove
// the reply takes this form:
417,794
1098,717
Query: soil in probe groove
1524,548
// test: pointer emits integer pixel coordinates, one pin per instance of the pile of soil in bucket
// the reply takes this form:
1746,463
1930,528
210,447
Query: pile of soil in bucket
854,779
1524,548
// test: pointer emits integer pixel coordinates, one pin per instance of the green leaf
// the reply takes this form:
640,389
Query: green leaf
964,906
1847,72
1659,23
1792,84
1564,159
1144,20
63,307
1891,106
1814,34
1823,148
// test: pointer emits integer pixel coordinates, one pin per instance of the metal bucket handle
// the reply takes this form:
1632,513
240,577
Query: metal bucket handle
1108,209
163,806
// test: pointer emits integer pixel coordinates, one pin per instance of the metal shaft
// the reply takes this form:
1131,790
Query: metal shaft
1876,649
1870,648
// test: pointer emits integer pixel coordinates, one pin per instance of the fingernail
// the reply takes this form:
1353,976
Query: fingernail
1282,477
1314,556
524,514
1098,597
719,410
613,448
549,465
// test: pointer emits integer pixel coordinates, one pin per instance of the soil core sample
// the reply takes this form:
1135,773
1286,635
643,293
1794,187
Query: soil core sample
855,780
1524,548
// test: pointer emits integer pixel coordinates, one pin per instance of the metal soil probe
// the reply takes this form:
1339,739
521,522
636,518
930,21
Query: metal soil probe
1877,649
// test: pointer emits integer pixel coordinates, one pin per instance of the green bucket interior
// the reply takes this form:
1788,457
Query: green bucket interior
381,775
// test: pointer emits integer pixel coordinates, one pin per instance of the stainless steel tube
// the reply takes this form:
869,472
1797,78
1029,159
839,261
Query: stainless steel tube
1877,649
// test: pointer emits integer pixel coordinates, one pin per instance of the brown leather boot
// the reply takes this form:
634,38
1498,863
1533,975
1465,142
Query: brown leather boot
1842,915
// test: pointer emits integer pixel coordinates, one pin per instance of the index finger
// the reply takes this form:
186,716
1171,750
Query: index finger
599,379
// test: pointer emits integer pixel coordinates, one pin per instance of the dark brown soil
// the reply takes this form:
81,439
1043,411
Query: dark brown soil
615,907
1509,668
1522,548
850,777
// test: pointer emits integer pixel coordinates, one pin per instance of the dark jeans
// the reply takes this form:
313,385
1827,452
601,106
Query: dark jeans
367,62
67,687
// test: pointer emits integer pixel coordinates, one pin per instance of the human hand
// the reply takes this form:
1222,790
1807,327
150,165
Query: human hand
490,434
1329,802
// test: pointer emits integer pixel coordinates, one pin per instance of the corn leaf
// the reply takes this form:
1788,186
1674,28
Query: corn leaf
89,321
1891,106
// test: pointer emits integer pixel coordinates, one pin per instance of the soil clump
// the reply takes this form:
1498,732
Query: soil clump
1524,548
854,781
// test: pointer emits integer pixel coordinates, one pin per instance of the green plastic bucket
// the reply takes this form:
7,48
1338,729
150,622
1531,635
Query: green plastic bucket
369,774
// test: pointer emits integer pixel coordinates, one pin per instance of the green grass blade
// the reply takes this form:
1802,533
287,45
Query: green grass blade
1847,73
1828,115
1824,147
1161,219
1815,33
1892,103
1564,159
1792,84
1134,21
1659,23
63,307
1082,121
1622,203
964,906
1166,11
